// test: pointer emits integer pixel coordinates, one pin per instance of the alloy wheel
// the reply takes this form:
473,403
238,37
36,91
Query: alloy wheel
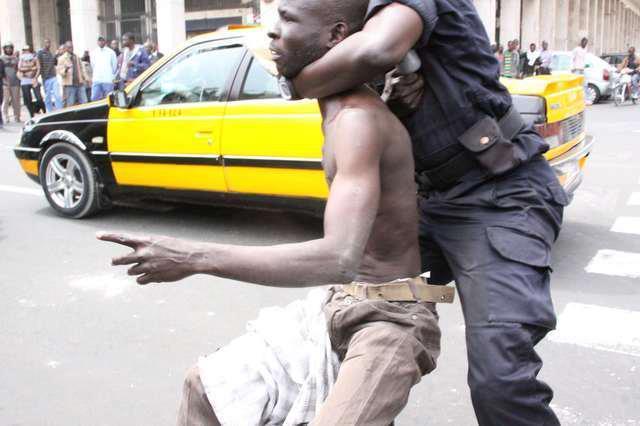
64,181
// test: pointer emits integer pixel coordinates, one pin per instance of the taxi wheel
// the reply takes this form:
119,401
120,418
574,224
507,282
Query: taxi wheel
69,181
593,94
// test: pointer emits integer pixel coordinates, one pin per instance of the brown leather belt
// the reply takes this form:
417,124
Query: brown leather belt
410,290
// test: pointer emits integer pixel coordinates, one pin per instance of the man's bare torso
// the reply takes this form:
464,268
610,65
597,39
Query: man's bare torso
392,250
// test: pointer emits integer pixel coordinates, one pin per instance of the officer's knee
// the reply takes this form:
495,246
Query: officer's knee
488,390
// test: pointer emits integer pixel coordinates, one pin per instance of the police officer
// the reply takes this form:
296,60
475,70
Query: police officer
491,207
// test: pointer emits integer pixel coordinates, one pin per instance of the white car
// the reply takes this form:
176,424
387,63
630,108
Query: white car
598,73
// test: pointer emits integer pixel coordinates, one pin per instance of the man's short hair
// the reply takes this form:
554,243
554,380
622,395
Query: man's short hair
352,12
100,38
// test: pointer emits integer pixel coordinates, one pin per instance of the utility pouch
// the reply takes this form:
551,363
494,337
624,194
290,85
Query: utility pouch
489,144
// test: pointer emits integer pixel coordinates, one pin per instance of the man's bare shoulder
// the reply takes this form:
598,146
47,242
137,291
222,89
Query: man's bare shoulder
365,117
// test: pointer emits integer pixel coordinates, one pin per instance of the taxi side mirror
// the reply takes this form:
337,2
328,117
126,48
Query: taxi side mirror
119,99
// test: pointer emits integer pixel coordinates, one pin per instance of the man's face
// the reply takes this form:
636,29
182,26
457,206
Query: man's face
545,45
126,42
632,51
114,44
102,43
68,46
532,47
8,50
47,44
584,43
299,37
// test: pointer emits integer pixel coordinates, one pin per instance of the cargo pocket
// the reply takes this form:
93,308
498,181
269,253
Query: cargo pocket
558,194
485,141
519,278
520,247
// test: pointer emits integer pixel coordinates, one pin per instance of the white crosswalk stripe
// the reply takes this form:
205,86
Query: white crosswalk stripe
21,190
616,263
599,327
627,225
634,199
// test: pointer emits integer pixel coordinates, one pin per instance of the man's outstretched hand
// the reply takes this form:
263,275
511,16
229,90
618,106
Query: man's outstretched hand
155,259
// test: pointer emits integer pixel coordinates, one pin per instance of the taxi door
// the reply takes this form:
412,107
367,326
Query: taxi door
170,137
271,146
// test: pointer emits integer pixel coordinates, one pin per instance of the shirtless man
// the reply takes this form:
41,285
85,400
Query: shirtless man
383,327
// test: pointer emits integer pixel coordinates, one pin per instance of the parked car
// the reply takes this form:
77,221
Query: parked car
598,74
613,59
207,124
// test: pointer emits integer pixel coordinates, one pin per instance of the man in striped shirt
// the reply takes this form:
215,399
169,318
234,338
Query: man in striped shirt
49,79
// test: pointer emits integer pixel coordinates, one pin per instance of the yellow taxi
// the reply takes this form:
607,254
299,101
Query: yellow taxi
207,125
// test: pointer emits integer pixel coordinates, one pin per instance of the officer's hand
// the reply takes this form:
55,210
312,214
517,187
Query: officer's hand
403,93
154,259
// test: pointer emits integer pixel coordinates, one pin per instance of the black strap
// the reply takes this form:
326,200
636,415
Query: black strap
451,171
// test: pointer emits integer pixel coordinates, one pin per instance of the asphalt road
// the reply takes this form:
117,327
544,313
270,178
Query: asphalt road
81,344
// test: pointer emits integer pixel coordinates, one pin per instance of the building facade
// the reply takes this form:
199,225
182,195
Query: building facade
610,25
166,22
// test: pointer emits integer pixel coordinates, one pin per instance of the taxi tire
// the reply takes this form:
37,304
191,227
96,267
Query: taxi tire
90,201
597,96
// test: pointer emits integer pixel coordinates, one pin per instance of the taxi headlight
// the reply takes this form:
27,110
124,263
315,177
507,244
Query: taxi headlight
29,125
568,168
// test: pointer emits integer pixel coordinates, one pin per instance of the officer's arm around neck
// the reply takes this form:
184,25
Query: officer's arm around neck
363,56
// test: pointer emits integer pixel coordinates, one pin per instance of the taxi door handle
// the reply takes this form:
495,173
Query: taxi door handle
207,135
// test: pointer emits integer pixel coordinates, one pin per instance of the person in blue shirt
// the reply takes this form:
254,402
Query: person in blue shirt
490,205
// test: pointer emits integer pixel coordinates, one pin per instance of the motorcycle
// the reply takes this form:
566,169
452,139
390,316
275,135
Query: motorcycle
623,87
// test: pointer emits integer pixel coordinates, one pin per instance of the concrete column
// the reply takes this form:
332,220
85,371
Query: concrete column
593,26
85,27
12,23
612,23
48,25
487,11
574,23
547,22
609,26
509,20
172,31
618,27
626,28
601,18
531,20
36,25
584,18
561,41
617,12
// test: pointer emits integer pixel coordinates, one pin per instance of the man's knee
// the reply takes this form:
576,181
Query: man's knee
193,382
402,351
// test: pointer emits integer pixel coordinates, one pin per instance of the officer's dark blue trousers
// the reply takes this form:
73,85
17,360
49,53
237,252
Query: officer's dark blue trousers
494,237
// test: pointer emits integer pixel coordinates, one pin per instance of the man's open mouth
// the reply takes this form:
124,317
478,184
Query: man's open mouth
275,54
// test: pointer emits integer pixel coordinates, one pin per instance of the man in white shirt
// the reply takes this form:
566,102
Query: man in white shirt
104,64
532,56
545,59
579,62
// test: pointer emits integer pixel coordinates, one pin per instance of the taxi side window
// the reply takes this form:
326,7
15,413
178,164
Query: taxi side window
199,75
259,84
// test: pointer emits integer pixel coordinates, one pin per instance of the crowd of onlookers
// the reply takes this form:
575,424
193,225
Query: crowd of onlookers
515,63
48,80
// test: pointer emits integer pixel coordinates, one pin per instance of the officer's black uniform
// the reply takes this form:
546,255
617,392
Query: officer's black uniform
491,208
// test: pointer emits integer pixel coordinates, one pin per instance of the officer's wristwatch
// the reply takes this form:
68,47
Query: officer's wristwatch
287,90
